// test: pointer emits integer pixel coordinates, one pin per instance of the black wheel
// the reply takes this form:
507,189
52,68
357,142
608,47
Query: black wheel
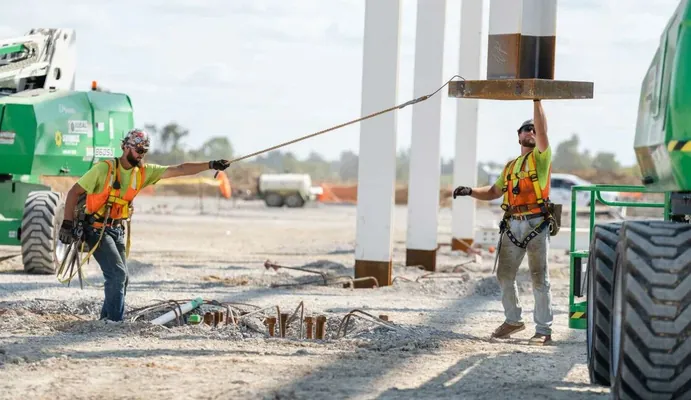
600,274
294,201
273,200
43,213
651,313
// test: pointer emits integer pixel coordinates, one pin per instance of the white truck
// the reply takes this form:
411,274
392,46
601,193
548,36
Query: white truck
292,190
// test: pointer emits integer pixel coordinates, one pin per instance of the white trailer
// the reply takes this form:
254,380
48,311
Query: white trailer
293,190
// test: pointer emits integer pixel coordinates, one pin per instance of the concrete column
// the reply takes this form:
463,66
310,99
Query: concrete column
465,161
522,39
377,154
425,163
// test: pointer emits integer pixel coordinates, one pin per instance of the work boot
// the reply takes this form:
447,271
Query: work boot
505,330
540,339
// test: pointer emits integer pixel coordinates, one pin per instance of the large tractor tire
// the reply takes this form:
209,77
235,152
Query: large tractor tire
651,312
43,213
601,261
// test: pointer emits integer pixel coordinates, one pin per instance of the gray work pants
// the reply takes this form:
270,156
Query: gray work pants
510,258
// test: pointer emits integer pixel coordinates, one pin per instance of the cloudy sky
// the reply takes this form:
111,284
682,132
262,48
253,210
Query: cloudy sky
267,71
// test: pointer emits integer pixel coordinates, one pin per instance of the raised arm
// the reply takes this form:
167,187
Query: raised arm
541,139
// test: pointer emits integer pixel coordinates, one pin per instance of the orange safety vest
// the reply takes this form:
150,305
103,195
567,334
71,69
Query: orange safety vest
522,191
97,204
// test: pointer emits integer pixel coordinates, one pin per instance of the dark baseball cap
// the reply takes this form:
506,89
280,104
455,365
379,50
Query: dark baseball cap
526,123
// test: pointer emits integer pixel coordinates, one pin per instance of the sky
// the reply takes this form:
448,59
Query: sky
263,72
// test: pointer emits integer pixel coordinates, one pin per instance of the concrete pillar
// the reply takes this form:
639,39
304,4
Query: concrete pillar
465,160
522,39
377,154
425,163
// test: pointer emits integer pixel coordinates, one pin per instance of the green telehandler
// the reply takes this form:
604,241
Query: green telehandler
48,129
631,289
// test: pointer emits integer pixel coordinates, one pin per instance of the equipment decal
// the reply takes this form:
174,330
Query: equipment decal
71,140
7,137
78,126
103,152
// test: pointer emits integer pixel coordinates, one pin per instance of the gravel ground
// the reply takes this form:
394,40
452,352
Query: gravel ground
436,345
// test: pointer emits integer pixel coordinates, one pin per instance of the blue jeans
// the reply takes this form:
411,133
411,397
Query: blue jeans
110,255
510,259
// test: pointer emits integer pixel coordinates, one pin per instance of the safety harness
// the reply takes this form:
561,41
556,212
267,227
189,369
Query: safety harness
97,210
539,207
523,211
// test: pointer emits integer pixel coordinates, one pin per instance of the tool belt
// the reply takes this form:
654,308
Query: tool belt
550,213
98,223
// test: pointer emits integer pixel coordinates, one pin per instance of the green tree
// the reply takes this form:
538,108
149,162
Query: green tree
348,166
606,162
218,147
567,157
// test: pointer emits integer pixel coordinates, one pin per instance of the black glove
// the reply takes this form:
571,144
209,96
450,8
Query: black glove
462,191
67,234
219,165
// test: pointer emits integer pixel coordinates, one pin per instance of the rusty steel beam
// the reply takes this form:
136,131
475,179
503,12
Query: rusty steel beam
310,327
521,89
521,56
321,327
271,324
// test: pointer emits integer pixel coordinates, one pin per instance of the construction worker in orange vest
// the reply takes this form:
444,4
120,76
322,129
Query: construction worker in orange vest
109,188
529,220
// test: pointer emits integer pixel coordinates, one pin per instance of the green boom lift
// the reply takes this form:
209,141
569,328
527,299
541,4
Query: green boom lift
47,129
636,275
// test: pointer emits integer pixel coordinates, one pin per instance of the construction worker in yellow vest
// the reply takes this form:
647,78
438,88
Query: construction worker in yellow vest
110,186
526,227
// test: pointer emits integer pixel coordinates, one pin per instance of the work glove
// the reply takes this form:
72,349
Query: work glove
219,165
462,191
67,233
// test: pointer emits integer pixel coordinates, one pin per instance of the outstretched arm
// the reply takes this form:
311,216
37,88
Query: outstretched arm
487,193
540,126
192,168
481,193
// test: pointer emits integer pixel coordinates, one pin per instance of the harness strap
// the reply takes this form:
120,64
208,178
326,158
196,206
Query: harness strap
536,183
530,236
505,188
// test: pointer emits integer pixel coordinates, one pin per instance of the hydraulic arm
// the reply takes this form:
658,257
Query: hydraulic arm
43,58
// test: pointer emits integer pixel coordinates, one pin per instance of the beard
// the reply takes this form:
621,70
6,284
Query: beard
529,142
133,161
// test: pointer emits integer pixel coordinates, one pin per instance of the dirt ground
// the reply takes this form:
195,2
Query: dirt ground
53,347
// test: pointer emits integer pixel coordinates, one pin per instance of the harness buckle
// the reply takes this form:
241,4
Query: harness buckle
533,177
